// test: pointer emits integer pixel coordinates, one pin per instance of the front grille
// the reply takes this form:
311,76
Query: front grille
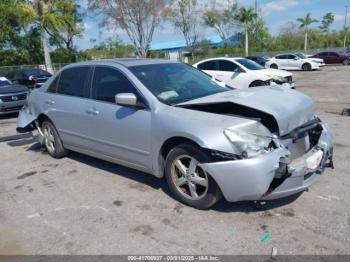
13,98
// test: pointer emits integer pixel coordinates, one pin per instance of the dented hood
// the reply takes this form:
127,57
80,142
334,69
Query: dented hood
289,108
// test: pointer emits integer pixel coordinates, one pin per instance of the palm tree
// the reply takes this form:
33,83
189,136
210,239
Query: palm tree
246,17
305,22
44,14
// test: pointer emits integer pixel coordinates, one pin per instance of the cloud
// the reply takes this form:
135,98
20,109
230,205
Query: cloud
338,18
278,6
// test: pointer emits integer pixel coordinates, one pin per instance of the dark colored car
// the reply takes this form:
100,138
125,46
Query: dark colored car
261,60
32,78
334,58
12,97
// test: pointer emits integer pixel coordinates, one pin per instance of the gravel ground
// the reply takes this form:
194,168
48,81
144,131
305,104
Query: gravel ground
81,205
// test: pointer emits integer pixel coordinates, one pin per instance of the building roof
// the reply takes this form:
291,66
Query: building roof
178,45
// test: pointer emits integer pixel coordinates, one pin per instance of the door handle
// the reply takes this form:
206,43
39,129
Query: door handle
92,111
49,102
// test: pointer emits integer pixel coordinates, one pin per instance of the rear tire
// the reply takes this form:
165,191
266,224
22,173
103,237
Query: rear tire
52,140
306,67
274,66
346,62
187,181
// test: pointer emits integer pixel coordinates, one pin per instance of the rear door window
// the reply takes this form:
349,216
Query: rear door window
227,66
73,81
333,54
282,57
209,65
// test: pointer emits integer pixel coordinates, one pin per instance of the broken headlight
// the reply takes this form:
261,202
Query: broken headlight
278,79
249,145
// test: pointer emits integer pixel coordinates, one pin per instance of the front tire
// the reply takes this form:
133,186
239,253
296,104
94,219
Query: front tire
187,181
274,66
346,62
306,67
52,140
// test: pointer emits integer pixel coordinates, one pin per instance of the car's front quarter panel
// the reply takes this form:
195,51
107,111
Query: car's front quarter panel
204,129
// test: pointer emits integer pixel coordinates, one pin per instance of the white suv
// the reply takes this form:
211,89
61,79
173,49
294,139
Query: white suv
243,73
292,62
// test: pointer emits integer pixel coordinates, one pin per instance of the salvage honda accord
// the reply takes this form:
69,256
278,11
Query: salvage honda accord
169,119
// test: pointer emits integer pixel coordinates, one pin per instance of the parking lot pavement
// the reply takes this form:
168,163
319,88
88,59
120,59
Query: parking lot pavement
81,205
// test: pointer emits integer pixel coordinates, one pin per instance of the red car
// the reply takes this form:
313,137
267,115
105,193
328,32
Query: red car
333,58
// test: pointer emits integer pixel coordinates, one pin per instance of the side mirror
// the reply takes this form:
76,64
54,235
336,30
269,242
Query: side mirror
126,99
296,58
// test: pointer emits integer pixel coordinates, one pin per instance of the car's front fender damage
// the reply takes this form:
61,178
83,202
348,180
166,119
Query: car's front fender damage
276,174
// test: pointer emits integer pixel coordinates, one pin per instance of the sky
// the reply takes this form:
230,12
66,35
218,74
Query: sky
276,14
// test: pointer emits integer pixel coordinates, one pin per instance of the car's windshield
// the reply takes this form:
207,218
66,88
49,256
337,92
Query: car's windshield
175,83
249,64
4,82
301,55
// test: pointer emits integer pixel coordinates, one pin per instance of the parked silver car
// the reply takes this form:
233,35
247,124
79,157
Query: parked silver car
169,119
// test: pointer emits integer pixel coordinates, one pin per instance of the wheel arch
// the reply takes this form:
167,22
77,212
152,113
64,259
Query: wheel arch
167,146
306,64
257,81
41,118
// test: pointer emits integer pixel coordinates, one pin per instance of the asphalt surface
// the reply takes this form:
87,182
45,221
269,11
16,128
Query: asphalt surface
81,205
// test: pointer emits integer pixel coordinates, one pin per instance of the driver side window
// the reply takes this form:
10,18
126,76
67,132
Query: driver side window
109,82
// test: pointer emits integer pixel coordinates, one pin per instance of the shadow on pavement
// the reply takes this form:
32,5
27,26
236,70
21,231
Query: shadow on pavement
156,183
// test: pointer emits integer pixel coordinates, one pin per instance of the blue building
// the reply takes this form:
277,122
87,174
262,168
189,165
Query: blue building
177,47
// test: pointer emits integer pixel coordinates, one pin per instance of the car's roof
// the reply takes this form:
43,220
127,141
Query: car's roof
128,62
222,58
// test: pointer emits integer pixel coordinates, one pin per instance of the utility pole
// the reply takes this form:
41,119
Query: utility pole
256,19
345,25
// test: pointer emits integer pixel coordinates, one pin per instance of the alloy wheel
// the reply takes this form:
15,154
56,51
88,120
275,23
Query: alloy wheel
189,178
49,138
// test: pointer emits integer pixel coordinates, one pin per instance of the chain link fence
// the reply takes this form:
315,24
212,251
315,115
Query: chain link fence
4,70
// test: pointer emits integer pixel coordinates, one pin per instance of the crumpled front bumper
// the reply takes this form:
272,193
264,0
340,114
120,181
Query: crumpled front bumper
252,179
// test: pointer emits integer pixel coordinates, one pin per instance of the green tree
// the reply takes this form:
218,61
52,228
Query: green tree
246,17
46,16
221,20
64,37
305,23
326,22
259,35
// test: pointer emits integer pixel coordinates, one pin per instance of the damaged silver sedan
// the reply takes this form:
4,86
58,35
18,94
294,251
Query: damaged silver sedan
171,120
